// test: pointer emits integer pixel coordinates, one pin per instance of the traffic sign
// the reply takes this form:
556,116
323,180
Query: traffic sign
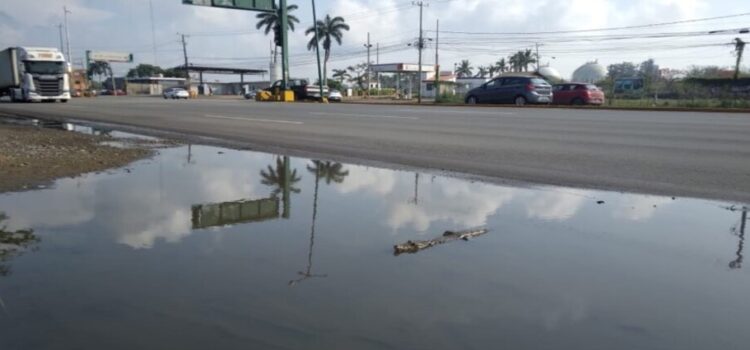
250,5
109,56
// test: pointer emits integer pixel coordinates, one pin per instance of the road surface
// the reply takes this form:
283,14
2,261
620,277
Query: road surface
704,155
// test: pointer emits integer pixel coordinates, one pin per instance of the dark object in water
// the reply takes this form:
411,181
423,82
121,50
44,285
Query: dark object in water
412,247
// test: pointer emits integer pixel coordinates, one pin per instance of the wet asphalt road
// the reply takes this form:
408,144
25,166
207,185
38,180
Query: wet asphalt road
703,155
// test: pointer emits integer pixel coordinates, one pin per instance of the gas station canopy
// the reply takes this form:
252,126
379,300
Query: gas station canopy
400,68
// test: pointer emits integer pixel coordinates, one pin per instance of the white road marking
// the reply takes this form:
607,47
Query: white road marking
362,115
254,119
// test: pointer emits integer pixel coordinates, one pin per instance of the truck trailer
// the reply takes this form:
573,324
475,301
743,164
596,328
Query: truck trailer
34,74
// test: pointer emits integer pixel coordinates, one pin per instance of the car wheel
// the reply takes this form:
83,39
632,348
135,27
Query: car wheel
472,100
520,101
577,102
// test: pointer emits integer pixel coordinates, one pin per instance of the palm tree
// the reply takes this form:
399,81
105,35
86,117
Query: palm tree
528,58
464,69
98,68
272,21
331,172
517,61
276,177
325,30
501,65
482,72
341,75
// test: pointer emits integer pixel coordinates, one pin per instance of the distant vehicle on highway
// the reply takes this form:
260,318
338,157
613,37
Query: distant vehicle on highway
108,92
176,93
577,94
335,96
34,74
303,90
250,94
519,90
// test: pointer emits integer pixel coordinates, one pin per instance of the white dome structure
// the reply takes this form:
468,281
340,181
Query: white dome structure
591,72
550,73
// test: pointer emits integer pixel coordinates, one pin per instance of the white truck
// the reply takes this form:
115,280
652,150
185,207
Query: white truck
34,74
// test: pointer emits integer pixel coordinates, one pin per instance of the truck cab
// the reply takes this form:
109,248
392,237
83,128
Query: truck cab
34,74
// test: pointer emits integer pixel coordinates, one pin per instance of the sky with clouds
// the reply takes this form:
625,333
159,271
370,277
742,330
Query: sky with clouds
229,38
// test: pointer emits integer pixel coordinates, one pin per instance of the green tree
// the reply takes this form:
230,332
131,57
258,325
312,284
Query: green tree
341,75
482,72
464,69
358,75
326,31
272,22
529,57
501,65
98,68
622,70
144,71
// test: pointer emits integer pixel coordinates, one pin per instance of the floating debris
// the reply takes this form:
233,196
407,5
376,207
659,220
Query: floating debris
412,247
600,202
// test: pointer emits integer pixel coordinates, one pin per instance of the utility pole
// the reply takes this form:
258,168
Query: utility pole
67,34
538,59
740,49
184,54
368,46
153,30
420,46
377,61
62,45
437,59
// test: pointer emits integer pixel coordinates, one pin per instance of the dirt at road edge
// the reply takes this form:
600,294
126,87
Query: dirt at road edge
33,156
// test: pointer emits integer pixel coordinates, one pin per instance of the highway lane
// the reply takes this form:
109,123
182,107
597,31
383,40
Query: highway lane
672,153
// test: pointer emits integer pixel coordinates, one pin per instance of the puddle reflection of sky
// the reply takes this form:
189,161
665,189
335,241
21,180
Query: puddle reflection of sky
556,269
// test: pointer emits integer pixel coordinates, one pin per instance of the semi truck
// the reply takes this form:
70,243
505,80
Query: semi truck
34,74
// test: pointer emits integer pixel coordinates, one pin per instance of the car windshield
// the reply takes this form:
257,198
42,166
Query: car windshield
537,81
592,87
44,67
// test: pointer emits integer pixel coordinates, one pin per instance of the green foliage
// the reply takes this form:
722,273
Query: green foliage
464,69
144,71
98,68
449,99
271,21
326,31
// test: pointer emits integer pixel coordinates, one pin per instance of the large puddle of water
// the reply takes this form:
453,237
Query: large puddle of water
210,248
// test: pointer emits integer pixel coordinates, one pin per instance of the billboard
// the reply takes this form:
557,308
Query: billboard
250,5
109,56
230,213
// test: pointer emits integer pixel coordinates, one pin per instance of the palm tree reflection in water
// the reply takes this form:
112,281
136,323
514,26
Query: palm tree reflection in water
331,172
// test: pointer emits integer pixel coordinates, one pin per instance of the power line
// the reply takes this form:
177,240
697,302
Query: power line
651,25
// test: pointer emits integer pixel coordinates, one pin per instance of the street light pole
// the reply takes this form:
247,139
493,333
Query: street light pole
67,35
369,72
420,47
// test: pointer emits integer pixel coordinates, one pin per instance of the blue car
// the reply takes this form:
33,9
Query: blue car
518,90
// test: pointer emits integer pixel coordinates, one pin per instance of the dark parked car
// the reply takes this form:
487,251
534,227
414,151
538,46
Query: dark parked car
519,90
303,90
577,94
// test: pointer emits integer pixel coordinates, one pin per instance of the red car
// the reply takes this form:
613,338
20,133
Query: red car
577,94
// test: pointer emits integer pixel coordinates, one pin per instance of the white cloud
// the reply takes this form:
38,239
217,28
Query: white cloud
557,206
